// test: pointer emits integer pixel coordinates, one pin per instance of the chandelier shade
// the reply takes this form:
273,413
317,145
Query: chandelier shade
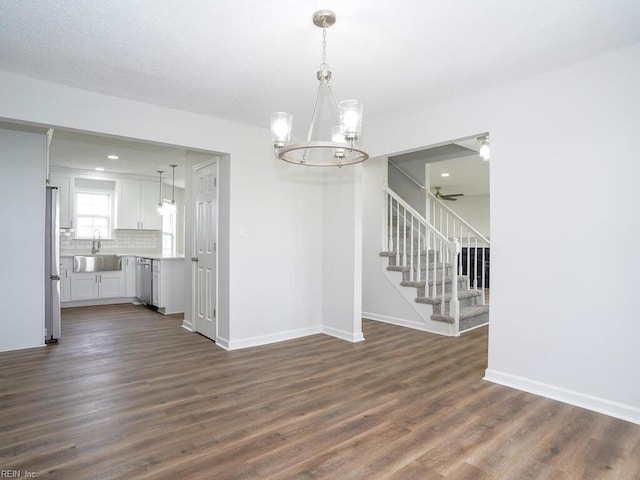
341,148
485,152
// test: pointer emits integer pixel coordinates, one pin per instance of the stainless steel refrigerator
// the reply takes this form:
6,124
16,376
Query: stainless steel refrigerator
52,268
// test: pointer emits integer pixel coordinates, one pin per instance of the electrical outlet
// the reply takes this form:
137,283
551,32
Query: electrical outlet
299,305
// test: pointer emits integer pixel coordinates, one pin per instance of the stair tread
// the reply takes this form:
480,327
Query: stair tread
422,283
406,268
465,312
461,294
393,253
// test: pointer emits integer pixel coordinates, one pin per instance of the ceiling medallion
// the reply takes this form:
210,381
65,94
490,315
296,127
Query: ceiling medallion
342,149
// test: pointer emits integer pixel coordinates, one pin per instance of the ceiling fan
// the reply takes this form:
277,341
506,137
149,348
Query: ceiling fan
450,198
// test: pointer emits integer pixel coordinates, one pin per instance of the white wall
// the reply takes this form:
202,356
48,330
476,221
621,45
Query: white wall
22,213
563,320
342,253
475,210
380,299
263,275
409,191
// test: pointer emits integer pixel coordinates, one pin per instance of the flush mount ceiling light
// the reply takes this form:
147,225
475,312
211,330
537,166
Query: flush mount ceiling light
485,153
113,157
341,149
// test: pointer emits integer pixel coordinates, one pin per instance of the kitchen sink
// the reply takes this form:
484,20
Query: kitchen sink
97,263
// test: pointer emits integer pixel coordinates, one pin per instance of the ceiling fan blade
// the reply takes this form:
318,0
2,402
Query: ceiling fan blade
455,195
449,199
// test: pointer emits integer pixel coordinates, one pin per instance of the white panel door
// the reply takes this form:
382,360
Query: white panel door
204,248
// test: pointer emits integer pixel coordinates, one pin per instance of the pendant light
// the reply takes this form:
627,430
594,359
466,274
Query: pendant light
160,203
171,208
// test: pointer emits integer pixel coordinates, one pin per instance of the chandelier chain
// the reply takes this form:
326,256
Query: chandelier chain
324,48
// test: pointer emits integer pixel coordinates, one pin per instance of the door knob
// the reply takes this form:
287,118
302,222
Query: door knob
194,259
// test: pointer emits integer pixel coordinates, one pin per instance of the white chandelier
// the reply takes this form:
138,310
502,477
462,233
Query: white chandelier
342,148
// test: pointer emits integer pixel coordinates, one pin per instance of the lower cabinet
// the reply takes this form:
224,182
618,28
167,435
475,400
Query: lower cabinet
168,285
155,287
129,268
89,286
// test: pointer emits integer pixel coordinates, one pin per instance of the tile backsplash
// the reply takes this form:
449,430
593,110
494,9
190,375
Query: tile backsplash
123,241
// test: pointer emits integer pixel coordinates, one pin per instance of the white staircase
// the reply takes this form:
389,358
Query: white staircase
431,262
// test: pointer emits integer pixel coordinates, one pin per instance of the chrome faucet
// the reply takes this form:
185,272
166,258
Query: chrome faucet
95,249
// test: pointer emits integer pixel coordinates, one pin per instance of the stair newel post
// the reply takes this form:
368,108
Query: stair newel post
389,214
418,271
411,273
404,238
443,266
454,304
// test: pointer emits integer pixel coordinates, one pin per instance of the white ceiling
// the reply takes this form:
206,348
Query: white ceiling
243,59
88,152
467,173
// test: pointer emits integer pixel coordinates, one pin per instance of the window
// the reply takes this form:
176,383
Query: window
168,228
93,212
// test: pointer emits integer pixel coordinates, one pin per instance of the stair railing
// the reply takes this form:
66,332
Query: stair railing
408,238
474,259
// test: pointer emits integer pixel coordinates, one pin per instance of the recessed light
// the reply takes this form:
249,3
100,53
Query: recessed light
444,174
100,169
113,157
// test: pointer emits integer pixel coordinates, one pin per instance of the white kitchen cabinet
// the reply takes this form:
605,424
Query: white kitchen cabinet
84,286
129,268
155,282
168,285
137,203
89,286
63,182
110,284
65,279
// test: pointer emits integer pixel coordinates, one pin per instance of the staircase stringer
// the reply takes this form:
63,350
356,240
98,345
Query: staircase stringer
424,311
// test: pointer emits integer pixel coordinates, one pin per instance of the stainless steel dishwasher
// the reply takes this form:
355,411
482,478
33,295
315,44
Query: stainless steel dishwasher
144,265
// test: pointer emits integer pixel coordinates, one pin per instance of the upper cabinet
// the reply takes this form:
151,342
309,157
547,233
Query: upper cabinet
63,182
137,202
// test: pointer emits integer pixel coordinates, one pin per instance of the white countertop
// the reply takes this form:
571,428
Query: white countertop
153,256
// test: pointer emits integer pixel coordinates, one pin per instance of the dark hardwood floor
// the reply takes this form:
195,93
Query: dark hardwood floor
128,393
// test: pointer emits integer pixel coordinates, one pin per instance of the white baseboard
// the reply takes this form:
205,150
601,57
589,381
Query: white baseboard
223,343
343,335
99,301
444,329
628,413
271,338
187,325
